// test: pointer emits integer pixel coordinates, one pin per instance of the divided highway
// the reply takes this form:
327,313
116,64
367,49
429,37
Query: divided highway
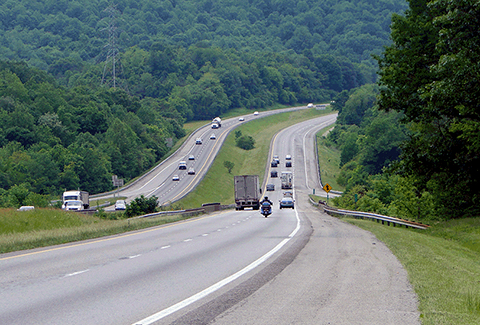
297,266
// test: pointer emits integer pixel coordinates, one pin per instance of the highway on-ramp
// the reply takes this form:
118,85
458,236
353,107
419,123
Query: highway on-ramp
298,266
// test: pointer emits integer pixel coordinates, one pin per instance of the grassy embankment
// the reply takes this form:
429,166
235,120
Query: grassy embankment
217,185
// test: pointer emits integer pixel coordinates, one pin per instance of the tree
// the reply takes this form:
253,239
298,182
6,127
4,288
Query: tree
228,165
141,205
430,73
246,142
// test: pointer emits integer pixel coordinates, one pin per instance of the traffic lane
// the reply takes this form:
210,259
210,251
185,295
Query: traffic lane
155,269
344,275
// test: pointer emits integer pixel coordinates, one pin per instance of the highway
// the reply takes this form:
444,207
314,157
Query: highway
236,267
159,182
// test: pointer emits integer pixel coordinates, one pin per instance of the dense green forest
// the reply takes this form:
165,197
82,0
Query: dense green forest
62,127
423,133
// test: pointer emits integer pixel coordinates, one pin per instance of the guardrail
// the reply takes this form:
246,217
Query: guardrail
373,216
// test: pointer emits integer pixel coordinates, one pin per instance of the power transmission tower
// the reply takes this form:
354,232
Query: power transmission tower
112,70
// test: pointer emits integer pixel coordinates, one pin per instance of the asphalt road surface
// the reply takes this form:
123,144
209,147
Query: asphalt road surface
297,266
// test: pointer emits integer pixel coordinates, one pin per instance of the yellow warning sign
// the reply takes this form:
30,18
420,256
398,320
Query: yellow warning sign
327,187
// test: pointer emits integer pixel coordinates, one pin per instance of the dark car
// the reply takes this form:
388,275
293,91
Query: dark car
288,164
274,163
270,187
287,202
273,173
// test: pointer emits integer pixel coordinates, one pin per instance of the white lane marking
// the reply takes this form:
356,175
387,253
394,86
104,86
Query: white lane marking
187,240
202,294
165,247
135,256
204,235
76,273
219,229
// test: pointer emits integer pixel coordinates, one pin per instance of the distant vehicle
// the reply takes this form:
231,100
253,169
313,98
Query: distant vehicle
274,163
217,122
213,137
288,157
26,208
182,164
241,119
255,113
275,157
247,192
73,205
287,180
81,196
270,187
198,141
191,171
287,202
310,105
120,205
288,194
288,164
191,157
273,173
175,178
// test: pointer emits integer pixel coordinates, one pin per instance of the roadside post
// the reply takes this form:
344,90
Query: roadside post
327,188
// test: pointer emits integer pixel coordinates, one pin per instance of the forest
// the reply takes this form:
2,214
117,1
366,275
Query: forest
65,126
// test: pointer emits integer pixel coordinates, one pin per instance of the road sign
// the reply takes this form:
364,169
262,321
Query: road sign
327,187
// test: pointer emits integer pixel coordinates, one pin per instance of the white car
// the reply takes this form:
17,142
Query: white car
198,141
26,208
120,205
310,105
191,171
241,119
255,113
288,157
191,157
213,137
175,178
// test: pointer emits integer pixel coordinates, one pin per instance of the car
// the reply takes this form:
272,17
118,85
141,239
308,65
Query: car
270,187
288,157
275,157
273,173
198,141
287,202
191,157
255,113
26,208
120,205
241,119
182,164
288,164
288,194
191,171
274,163
213,137
175,178
310,105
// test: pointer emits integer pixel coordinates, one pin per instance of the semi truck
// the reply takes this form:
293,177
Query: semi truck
216,123
75,200
247,192
287,180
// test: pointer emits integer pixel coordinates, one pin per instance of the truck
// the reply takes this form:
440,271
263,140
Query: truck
247,192
287,180
216,123
75,200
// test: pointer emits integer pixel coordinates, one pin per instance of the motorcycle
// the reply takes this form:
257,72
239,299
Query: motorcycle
266,210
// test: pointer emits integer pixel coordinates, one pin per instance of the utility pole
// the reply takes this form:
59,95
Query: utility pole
112,69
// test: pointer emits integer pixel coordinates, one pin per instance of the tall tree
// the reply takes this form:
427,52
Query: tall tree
431,73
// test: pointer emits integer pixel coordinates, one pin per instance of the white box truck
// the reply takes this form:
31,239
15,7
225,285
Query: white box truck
287,180
247,192
75,200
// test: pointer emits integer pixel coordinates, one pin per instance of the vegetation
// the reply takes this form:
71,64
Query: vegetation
430,75
141,205
442,263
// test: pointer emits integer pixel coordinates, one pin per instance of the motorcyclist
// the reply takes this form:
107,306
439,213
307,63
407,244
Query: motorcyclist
266,204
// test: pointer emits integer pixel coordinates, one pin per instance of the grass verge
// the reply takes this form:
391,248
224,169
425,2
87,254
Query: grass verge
329,161
217,185
443,265
47,227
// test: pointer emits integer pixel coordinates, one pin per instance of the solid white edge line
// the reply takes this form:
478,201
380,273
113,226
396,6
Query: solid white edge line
202,294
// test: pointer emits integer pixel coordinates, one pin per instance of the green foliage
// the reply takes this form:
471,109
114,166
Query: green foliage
141,205
430,75
228,165
245,142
